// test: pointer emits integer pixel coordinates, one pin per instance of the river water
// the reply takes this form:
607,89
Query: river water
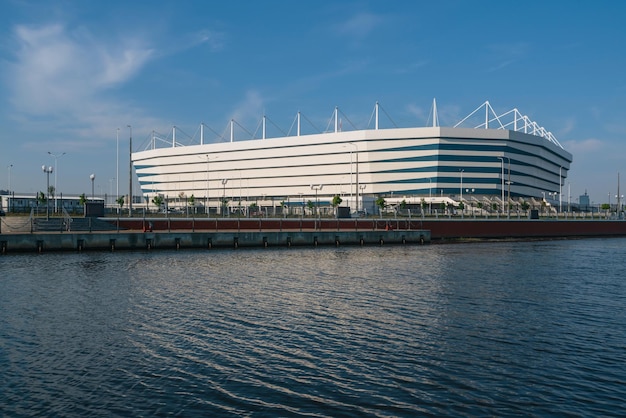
480,329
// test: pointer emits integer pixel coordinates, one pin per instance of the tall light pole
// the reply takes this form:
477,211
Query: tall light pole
430,195
470,192
92,177
502,164
56,164
9,167
47,170
508,182
317,187
362,190
110,190
356,153
224,181
461,188
130,173
206,206
117,164
618,195
208,189
560,191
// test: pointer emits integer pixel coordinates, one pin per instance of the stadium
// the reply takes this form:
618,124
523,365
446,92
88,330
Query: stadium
499,159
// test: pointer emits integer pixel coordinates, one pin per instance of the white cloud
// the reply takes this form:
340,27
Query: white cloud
56,72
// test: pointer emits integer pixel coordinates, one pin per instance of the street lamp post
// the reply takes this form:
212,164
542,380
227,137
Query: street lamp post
117,165
56,173
502,165
317,187
508,198
430,195
560,191
9,167
356,154
618,195
47,170
618,205
207,193
130,172
461,188
110,189
362,188
224,181
470,192
92,177
207,209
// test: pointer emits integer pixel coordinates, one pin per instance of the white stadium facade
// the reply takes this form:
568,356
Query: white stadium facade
505,157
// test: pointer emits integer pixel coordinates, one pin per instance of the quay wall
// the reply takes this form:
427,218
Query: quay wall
138,240
142,233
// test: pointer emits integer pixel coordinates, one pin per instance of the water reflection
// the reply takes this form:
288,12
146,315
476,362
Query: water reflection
476,329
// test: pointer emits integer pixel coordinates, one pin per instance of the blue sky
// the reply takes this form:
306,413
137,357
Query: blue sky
72,72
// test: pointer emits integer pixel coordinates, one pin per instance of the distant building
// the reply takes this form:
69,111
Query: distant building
583,202
24,203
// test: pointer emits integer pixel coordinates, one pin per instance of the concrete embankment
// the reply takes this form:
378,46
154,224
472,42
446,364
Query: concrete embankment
136,240
127,233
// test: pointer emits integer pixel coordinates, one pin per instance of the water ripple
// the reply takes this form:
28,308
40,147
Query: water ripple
483,329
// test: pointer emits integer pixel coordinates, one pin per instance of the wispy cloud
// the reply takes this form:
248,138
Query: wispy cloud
447,115
58,72
568,126
250,108
504,55
412,67
359,25
60,80
583,146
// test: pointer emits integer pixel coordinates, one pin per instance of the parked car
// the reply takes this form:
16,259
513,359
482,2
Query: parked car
2,213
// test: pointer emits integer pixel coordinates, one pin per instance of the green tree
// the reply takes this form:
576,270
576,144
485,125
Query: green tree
119,200
403,204
525,206
424,204
311,206
336,201
461,205
253,208
191,200
381,202
157,201
41,199
82,199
